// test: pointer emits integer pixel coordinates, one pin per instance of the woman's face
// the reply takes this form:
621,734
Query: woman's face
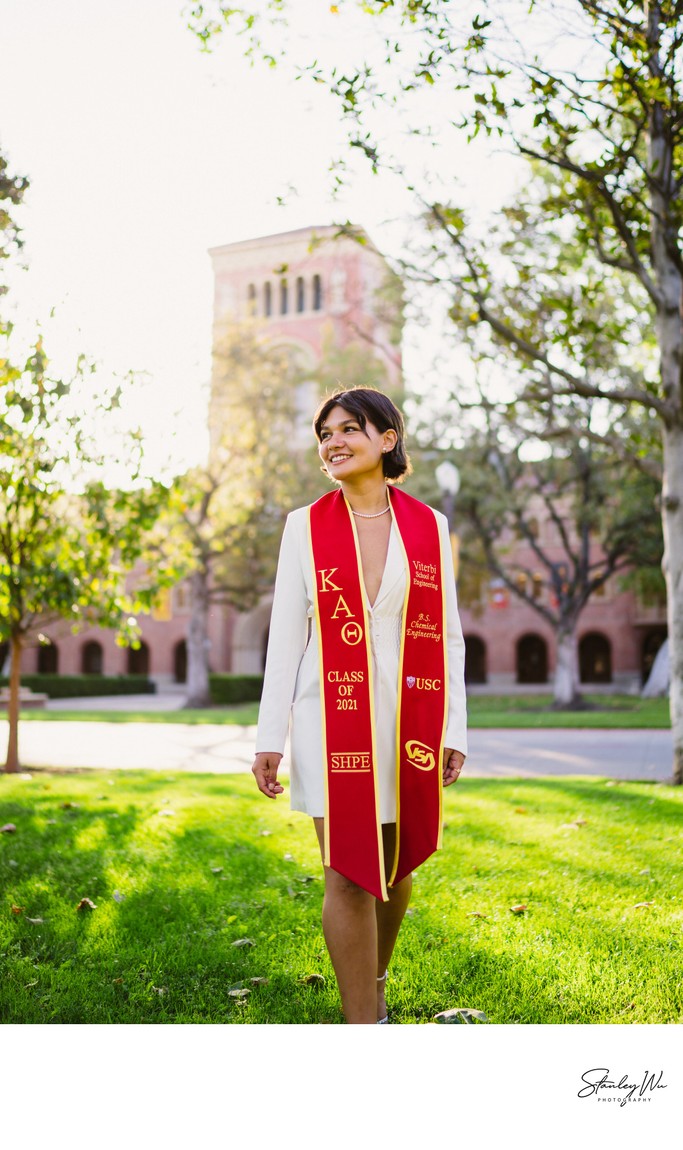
348,450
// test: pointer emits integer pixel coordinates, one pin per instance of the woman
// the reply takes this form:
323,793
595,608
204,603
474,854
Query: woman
366,652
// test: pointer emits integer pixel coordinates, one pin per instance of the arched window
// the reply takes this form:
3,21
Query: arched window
48,658
180,661
251,299
300,294
267,299
317,293
475,659
138,660
92,658
284,297
595,658
532,659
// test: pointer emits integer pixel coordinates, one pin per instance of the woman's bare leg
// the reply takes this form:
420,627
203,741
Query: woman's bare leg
389,915
350,929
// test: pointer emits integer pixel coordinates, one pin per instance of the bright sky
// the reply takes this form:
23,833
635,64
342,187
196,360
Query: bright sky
142,153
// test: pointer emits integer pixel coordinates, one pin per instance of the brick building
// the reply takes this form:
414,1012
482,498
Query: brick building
314,289
510,644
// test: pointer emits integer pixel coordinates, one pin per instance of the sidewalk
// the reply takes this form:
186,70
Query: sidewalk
628,754
165,701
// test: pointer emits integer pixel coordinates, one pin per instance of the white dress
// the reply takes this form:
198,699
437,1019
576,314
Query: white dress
292,678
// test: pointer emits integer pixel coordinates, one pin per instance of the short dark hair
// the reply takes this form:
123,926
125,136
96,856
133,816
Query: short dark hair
367,404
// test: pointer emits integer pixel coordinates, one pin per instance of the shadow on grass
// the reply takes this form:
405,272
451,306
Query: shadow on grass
178,893
174,897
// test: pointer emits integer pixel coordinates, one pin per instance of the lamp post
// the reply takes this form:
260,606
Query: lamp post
448,479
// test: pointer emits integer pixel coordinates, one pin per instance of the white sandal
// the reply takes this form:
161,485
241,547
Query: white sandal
381,1021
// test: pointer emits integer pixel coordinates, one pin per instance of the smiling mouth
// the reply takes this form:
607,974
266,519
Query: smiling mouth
338,458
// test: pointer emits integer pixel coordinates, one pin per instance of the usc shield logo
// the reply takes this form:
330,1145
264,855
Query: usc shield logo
420,755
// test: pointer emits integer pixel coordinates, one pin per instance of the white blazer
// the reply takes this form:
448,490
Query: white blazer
292,678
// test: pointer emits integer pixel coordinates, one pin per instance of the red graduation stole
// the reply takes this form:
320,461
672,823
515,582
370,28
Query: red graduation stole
353,836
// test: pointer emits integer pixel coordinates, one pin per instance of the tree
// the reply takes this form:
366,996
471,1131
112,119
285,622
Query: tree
66,542
578,516
12,190
594,95
227,517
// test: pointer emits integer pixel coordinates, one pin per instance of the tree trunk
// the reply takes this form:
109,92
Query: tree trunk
669,325
672,522
566,680
198,693
12,762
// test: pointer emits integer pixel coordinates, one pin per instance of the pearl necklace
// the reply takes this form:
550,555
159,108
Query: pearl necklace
377,514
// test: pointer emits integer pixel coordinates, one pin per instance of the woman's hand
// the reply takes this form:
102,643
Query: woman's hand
452,766
264,771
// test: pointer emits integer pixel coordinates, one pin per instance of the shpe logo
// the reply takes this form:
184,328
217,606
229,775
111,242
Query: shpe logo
420,755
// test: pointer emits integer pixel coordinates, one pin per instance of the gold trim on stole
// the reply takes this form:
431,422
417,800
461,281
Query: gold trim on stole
371,692
399,694
446,681
321,672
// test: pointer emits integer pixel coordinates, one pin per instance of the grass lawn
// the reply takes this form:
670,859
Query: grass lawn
484,711
207,904
241,715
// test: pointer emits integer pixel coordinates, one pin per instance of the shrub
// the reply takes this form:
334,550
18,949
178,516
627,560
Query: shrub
228,689
79,686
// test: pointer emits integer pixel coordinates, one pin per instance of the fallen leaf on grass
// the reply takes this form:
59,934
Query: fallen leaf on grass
29,984
35,921
244,942
259,981
160,989
117,896
642,905
573,826
8,829
70,806
461,1014
312,980
476,914
17,909
288,857
216,870
118,981
166,814
86,904
520,810
241,992
265,833
518,908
